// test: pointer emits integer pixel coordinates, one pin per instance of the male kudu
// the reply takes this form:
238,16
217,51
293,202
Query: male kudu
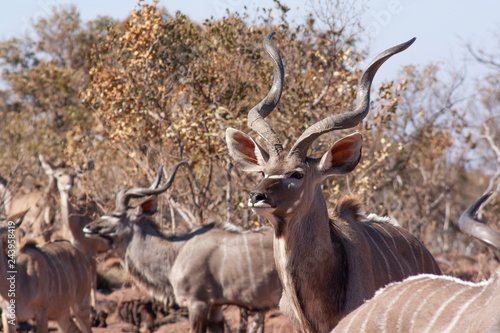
206,269
327,265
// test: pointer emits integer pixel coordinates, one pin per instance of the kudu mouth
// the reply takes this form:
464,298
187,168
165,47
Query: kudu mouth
260,201
89,233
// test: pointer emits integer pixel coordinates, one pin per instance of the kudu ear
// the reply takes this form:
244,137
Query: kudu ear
246,153
343,157
17,218
47,167
148,206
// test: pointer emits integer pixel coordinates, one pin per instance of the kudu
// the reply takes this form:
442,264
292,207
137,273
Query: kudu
72,221
327,265
48,282
43,222
206,268
430,303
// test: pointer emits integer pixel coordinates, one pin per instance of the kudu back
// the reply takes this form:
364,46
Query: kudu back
430,303
52,282
205,269
328,265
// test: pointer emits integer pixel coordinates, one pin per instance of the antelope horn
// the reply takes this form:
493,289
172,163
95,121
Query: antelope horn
352,118
257,114
478,230
123,197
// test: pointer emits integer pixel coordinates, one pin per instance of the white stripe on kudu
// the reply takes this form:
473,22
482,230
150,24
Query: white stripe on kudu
429,303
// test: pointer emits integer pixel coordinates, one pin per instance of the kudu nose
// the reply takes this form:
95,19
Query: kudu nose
86,229
257,196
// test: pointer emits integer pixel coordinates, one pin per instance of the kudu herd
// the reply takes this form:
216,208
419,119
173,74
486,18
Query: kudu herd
206,268
328,266
430,303
322,270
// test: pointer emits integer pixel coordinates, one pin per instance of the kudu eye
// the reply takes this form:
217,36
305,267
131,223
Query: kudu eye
297,175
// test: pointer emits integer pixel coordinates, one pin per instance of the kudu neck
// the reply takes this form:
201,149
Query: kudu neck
69,218
149,257
146,238
312,260
310,221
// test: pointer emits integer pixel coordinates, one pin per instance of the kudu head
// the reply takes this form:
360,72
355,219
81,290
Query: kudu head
117,228
476,229
62,175
291,184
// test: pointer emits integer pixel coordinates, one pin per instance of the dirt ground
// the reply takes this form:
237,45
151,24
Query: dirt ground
127,310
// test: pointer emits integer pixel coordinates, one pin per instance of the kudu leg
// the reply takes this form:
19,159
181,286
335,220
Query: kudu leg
7,328
258,323
198,313
215,319
82,312
42,324
66,324
243,321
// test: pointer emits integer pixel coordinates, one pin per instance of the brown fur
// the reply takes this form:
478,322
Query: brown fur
54,282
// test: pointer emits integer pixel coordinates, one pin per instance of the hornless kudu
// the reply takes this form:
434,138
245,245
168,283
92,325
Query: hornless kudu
327,265
207,268
72,221
43,222
430,303
50,282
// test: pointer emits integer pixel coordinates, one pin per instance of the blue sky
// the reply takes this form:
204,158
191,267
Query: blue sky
442,28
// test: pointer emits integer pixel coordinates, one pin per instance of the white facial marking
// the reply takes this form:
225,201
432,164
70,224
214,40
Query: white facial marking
275,176
261,204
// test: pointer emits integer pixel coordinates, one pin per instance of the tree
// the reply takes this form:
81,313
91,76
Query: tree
166,88
43,73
